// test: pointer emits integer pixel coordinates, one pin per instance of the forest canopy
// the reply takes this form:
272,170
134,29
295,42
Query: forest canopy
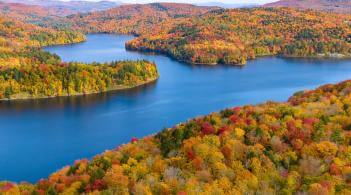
134,18
26,71
68,79
301,146
297,147
236,35
211,35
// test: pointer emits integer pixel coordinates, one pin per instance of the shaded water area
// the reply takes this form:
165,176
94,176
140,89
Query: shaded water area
38,137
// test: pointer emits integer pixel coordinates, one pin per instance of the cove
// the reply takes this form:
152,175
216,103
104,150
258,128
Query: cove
38,137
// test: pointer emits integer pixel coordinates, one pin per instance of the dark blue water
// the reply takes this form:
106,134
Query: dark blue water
38,137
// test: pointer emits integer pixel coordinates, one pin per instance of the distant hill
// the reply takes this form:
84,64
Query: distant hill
31,13
35,14
340,6
135,18
69,7
20,10
227,5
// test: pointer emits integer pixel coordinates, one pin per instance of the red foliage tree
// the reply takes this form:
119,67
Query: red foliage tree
207,128
190,154
222,130
134,139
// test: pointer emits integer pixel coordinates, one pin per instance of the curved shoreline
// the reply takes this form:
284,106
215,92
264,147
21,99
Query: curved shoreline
314,57
116,88
97,104
198,132
26,96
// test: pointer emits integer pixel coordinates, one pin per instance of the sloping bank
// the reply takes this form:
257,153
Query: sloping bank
70,79
301,146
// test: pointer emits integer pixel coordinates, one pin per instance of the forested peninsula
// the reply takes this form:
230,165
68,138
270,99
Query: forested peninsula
237,35
212,35
27,72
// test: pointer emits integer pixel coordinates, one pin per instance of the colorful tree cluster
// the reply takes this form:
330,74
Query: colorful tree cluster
210,35
20,42
236,35
70,79
26,71
298,147
134,18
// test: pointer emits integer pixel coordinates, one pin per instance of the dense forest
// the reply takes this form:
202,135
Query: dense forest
20,42
234,36
135,18
211,35
302,146
49,13
26,71
60,79
16,35
297,147
64,8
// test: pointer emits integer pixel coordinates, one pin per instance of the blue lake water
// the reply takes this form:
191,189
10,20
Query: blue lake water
38,137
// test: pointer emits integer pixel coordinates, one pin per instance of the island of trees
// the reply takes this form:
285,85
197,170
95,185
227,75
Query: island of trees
301,146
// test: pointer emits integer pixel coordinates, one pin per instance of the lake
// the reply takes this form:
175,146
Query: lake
38,137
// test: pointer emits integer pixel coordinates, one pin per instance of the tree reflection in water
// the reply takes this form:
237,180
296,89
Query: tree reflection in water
73,102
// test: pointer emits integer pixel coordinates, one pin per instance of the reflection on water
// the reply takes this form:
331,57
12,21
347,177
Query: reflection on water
37,137
72,102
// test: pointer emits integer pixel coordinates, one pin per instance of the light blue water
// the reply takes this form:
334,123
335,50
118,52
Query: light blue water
38,137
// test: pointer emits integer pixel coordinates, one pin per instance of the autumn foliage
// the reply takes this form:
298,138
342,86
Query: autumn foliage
301,146
237,35
134,18
298,147
26,71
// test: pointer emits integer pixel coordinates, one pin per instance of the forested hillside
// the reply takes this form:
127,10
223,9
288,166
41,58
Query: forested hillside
211,35
26,71
135,18
26,12
18,40
236,35
302,146
64,8
341,6
37,15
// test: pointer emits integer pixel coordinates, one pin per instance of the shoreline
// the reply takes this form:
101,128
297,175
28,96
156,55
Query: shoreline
315,57
63,44
116,88
318,56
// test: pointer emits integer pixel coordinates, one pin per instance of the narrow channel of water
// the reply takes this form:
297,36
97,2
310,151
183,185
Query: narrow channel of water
38,137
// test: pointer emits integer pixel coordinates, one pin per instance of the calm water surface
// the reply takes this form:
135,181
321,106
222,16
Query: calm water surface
38,137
